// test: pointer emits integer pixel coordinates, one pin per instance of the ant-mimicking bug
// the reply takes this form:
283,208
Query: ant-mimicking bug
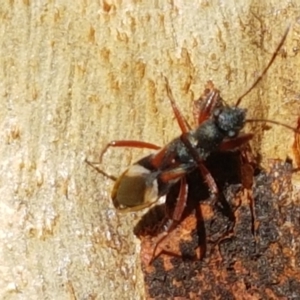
218,129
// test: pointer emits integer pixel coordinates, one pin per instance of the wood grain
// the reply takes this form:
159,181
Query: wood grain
77,75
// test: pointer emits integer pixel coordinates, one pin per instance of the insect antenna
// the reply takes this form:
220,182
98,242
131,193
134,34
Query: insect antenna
259,78
273,122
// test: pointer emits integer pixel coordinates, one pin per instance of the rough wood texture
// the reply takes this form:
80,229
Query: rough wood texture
74,76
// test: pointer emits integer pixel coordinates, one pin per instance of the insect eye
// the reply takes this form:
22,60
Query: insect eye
231,133
217,112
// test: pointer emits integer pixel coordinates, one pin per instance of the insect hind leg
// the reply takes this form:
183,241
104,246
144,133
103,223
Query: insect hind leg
130,144
119,143
93,165
174,220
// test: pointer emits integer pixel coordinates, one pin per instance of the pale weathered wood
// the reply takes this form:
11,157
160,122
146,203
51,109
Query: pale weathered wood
76,75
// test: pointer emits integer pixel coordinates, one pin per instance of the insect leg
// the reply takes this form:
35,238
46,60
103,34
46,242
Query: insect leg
180,203
211,101
209,180
176,172
182,122
175,219
91,164
204,106
236,142
204,171
296,146
226,145
128,143
120,143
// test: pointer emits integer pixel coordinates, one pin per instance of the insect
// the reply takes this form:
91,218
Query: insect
218,129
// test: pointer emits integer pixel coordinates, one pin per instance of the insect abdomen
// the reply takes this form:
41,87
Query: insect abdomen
133,190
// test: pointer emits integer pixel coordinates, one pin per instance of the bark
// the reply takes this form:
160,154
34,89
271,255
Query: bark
75,75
